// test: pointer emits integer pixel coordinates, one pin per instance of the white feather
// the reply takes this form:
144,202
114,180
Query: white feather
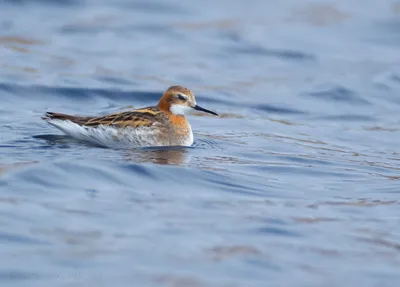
109,136
180,109
189,139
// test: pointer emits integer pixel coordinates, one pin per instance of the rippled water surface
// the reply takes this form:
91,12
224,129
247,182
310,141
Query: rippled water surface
295,184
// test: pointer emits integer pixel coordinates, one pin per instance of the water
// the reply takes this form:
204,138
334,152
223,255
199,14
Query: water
295,184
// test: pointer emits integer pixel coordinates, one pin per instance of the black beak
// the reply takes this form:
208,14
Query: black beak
198,108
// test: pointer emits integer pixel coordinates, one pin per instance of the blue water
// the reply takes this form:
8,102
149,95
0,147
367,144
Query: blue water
295,184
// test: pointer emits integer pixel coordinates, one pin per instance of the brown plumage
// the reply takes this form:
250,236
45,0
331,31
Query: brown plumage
137,118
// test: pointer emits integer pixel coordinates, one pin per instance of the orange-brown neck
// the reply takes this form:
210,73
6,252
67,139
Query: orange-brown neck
164,104
176,120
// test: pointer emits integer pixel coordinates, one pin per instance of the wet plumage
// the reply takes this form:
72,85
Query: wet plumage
161,125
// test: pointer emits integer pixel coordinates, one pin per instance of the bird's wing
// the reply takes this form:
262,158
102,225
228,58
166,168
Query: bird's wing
145,117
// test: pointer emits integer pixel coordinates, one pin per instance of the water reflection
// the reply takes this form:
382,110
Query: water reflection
173,156
158,155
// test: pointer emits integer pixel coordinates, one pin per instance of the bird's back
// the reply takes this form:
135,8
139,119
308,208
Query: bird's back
144,117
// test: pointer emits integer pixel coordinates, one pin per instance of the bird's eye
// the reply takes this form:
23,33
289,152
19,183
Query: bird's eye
182,97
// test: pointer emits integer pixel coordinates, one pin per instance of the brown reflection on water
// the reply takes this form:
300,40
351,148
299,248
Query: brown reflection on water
319,15
226,24
80,244
178,281
228,116
21,69
18,40
395,8
18,44
383,242
219,253
312,220
159,156
18,49
11,166
285,122
359,202
380,128
92,22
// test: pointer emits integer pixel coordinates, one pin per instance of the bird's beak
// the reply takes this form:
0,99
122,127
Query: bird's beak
198,108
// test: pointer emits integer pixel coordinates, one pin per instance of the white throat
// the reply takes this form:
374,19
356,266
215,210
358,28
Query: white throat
180,110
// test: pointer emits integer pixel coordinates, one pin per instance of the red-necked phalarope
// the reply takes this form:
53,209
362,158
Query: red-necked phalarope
161,125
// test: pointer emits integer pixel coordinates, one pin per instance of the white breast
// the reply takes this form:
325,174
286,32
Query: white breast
189,139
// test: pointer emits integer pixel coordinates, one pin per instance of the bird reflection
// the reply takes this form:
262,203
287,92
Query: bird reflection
158,155
165,156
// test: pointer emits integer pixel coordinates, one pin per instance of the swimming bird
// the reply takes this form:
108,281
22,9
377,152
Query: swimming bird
162,125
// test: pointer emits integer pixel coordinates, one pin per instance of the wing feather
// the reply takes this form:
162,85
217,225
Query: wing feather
145,117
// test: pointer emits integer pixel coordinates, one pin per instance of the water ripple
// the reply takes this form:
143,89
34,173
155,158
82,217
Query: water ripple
80,93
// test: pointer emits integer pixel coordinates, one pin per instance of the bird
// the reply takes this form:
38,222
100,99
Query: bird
164,124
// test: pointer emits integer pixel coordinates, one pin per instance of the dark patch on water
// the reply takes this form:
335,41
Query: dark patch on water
18,275
339,94
19,239
282,54
152,7
349,118
275,231
275,109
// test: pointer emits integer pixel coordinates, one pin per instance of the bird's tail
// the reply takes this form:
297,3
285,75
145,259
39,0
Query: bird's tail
49,116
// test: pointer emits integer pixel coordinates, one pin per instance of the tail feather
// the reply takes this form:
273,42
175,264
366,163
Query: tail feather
75,127
64,117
